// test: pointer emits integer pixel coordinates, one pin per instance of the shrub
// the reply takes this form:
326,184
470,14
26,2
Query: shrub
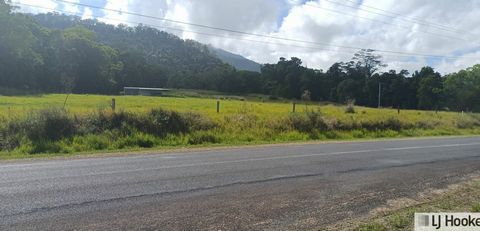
350,107
202,138
40,146
423,124
347,125
475,117
51,124
464,123
358,134
157,122
316,119
306,122
331,123
160,122
331,135
391,123
197,122
300,122
4,139
291,136
105,120
138,139
90,142
163,122
278,125
241,121
40,128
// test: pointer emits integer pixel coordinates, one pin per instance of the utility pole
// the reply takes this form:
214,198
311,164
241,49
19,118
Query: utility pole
379,94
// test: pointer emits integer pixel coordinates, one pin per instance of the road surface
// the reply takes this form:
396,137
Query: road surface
284,187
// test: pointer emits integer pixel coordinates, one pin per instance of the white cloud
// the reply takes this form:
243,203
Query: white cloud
71,7
87,14
29,6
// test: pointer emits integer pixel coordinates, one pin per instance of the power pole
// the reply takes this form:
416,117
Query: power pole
379,94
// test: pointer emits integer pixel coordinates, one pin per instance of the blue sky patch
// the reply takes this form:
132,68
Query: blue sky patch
96,12
466,51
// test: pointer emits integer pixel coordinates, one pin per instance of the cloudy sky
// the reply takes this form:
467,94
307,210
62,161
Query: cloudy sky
319,32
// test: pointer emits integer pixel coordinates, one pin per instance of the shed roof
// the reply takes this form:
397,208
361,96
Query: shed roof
147,88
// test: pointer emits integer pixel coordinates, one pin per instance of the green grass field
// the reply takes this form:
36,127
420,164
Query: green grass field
17,106
81,104
244,121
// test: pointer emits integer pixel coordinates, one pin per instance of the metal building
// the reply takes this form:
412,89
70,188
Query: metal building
144,91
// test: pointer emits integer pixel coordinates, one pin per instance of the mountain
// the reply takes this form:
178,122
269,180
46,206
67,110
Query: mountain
173,54
60,53
238,61
158,47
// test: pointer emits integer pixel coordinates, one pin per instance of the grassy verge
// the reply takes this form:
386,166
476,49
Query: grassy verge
36,126
8,156
460,198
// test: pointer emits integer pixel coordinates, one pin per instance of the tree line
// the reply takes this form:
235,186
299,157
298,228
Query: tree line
359,80
47,53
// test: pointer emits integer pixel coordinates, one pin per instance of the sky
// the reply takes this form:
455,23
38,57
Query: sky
331,30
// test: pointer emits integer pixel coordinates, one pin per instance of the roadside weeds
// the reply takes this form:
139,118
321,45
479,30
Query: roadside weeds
399,214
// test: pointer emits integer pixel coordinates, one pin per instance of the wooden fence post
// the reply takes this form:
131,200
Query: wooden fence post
113,104
293,109
218,106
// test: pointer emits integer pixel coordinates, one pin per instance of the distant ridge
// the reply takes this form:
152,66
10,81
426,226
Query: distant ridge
238,61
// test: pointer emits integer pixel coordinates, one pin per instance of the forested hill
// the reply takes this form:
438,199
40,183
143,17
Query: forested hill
157,47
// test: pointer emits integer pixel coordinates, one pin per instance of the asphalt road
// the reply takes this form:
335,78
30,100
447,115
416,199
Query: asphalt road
285,187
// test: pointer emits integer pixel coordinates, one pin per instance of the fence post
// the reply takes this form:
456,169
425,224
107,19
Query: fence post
218,106
113,104
293,109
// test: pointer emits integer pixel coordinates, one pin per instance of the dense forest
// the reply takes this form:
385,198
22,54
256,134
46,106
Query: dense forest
49,53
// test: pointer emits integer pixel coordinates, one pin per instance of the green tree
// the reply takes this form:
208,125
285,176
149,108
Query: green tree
283,79
19,61
430,89
363,65
463,89
94,67
347,90
366,62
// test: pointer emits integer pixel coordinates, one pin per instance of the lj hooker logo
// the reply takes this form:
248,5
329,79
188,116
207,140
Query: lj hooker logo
447,221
